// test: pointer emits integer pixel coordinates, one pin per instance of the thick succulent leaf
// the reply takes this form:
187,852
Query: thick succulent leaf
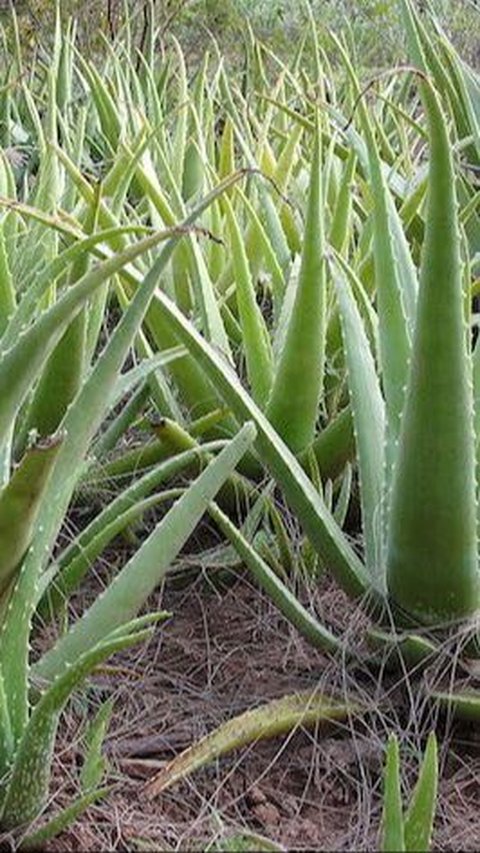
39,285
74,571
6,736
390,288
30,776
421,811
106,108
432,551
402,648
307,625
340,227
128,380
8,298
334,446
258,247
131,496
94,763
426,53
80,424
20,502
137,580
369,422
271,720
393,836
255,337
462,704
298,384
39,838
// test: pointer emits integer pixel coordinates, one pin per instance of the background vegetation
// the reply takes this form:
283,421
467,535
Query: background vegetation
278,22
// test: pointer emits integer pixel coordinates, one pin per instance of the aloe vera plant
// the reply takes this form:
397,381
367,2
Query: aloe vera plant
28,732
44,451
309,310
419,512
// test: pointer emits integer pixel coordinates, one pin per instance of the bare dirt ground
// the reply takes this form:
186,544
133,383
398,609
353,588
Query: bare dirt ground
224,650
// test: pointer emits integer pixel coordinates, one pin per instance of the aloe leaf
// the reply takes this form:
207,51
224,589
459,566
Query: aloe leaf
369,421
8,299
28,786
307,625
63,373
7,744
121,423
179,141
131,588
38,839
94,764
209,308
393,837
142,370
421,811
75,570
462,704
269,212
245,840
426,55
20,502
298,384
339,233
60,380
469,81
334,446
29,302
344,497
432,566
226,154
131,496
390,287
271,720
404,648
110,120
255,334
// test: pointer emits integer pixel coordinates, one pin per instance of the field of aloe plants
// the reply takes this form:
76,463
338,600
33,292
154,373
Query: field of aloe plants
239,375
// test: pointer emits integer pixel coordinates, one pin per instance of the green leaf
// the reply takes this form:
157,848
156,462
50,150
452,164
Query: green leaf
432,564
369,420
256,341
298,384
137,580
307,625
393,839
20,365
39,838
20,503
94,764
28,786
421,811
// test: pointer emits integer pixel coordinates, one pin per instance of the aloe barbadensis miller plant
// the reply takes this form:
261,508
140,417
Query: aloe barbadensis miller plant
315,282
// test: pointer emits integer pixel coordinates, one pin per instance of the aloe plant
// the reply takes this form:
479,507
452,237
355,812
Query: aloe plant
46,430
315,281
28,732
409,390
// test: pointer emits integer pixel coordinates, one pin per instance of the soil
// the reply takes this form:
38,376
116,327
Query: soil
225,650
